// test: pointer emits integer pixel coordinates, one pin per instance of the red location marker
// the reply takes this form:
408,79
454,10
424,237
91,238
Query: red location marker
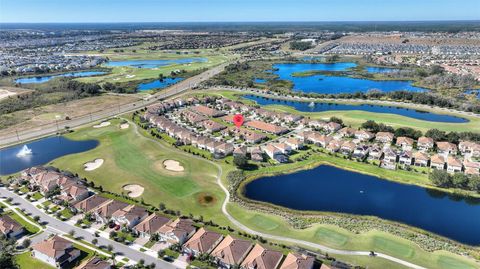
238,120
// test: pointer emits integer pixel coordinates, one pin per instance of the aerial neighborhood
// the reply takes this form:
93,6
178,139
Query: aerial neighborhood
207,124
114,217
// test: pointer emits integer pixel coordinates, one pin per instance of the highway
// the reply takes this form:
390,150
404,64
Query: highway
49,129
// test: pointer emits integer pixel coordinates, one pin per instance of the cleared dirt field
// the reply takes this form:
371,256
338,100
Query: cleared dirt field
36,117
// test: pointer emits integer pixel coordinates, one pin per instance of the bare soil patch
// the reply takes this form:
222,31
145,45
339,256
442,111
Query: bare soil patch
172,165
90,166
206,199
102,124
133,190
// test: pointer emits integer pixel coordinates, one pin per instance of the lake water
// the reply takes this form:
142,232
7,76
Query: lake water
43,151
41,79
157,84
327,188
320,107
154,63
335,84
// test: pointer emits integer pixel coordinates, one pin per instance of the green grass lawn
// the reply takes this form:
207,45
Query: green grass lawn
26,261
181,191
339,238
133,159
66,213
31,229
37,196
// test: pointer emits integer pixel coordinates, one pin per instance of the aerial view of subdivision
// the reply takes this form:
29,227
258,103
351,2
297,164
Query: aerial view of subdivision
240,134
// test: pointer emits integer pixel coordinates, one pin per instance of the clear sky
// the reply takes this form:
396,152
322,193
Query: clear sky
235,10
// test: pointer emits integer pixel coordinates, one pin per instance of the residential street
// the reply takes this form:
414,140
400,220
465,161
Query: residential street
56,226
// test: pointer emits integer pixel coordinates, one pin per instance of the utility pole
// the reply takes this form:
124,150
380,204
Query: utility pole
18,137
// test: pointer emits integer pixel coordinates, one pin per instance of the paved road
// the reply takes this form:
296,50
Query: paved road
281,238
49,129
56,226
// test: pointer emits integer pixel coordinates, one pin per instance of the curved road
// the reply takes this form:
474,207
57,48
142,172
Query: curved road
276,237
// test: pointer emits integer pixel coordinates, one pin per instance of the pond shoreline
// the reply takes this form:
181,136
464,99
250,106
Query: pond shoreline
340,219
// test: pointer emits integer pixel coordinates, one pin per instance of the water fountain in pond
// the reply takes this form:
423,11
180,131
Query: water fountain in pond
25,151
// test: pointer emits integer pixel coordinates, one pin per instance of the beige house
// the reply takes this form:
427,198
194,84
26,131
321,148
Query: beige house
202,241
231,251
297,261
262,258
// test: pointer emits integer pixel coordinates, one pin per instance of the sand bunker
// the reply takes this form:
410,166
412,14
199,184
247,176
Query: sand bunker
6,93
172,165
90,166
133,190
103,124
129,76
124,126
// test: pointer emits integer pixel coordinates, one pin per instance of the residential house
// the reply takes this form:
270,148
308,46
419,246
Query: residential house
150,225
240,151
202,241
262,258
274,153
437,161
95,263
298,261
231,251
334,145
361,152
332,127
471,167
347,148
294,143
469,148
212,126
256,155
384,137
363,135
446,148
266,127
425,143
90,203
283,147
406,143
346,132
375,153
210,112
103,213
224,149
55,251
129,216
421,159
177,231
405,157
454,165
9,227
389,160
319,139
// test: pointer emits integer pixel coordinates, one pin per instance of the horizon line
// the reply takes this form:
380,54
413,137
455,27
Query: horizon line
273,21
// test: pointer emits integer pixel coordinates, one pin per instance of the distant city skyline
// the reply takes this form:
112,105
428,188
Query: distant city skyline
51,11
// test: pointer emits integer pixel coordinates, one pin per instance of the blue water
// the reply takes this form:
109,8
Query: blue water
372,69
328,188
320,107
157,84
259,80
43,151
154,63
335,84
41,79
